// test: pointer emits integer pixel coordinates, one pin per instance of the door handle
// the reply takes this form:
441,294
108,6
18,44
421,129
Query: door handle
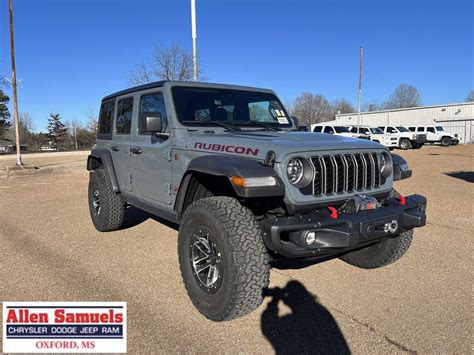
136,150
115,148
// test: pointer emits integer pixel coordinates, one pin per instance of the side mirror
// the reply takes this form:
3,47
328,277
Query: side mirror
151,122
296,121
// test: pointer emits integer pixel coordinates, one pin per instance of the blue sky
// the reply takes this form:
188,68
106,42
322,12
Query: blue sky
71,53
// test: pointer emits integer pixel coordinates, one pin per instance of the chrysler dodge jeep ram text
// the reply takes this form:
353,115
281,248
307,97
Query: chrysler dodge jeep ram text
228,165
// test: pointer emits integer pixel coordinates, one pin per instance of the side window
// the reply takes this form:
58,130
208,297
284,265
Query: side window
154,103
411,129
104,130
317,129
431,129
421,129
328,129
391,130
124,116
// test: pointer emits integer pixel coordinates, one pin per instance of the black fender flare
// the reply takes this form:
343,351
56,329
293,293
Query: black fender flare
103,157
227,166
400,168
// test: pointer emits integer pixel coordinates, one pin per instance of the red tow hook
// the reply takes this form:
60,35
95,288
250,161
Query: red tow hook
334,214
402,200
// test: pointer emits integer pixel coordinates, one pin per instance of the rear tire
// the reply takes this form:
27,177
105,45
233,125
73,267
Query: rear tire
405,144
446,141
218,233
106,208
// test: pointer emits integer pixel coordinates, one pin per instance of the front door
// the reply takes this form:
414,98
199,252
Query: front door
430,134
151,155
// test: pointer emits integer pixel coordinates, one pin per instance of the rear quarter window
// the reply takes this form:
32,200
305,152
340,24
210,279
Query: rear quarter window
104,130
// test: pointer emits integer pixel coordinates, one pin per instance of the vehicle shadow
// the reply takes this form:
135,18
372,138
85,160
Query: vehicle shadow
309,328
135,216
467,176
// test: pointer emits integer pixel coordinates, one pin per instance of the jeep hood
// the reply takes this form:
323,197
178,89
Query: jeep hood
257,144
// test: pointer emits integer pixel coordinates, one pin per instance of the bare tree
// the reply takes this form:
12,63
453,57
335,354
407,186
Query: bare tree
25,128
168,63
72,127
342,106
370,106
405,95
92,120
470,97
312,108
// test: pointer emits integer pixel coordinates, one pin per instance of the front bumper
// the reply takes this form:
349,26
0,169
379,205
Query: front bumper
420,140
390,143
285,235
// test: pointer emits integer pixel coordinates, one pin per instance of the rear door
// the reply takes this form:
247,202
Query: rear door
122,141
151,154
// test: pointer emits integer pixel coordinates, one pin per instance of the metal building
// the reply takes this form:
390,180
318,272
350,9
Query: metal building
455,118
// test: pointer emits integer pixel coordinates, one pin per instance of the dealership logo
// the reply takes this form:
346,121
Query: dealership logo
65,327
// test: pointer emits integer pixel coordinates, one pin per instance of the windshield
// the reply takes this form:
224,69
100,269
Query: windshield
211,106
376,131
439,128
402,129
341,129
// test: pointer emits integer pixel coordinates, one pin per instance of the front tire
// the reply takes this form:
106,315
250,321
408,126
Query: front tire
405,144
223,260
381,254
106,208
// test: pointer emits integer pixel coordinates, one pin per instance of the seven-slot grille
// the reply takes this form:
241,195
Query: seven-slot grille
346,173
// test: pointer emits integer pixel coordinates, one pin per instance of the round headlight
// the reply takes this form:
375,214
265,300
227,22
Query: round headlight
386,165
300,172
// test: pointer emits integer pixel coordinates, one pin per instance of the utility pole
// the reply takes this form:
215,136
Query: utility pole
360,89
16,119
193,24
75,136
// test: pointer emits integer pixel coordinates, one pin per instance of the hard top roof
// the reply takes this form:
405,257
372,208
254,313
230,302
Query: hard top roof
162,83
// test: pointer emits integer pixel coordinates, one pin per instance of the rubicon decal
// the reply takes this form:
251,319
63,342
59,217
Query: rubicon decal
233,149
66,327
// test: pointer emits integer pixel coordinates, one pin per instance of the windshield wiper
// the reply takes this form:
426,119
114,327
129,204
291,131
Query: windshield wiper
227,126
261,124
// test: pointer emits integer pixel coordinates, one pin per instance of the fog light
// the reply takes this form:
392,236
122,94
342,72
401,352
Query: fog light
310,238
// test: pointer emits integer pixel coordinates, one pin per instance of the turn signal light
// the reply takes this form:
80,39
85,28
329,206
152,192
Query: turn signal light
253,181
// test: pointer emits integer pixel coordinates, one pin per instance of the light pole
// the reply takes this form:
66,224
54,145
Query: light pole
193,24
360,89
16,119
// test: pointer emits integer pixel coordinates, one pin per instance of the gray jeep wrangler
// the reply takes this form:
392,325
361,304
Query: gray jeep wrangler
228,165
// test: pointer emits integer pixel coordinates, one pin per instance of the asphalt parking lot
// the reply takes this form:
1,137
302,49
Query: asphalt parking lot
51,252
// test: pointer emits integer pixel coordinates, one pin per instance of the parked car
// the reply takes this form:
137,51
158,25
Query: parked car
47,148
436,134
377,135
335,129
225,164
407,139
